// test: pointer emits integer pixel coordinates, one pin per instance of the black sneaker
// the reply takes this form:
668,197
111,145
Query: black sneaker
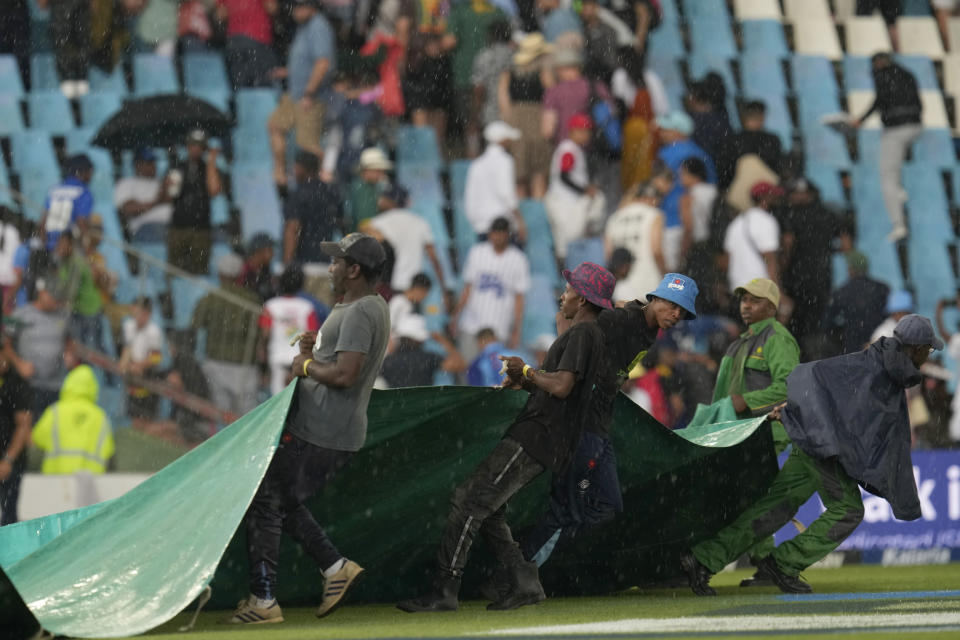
697,574
787,584
760,579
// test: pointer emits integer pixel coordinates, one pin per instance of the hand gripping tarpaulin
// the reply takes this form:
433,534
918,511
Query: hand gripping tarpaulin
125,566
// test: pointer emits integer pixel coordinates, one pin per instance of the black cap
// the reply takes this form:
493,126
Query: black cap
364,249
916,330
500,224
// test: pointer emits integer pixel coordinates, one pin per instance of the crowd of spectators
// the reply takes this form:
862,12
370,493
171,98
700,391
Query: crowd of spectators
550,101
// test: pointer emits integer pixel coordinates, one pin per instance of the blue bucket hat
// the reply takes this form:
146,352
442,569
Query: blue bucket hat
679,289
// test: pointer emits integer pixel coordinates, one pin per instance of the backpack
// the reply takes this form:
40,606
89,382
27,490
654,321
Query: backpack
607,130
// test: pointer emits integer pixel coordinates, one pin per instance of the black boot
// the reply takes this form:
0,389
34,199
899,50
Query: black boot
497,585
525,588
442,596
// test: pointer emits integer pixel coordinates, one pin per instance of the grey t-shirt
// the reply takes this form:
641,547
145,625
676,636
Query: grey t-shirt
40,339
337,418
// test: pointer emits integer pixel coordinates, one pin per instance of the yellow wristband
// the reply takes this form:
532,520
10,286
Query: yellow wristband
526,371
305,364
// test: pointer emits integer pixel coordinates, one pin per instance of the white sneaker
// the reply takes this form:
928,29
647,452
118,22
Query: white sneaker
247,612
69,89
336,586
899,233
82,88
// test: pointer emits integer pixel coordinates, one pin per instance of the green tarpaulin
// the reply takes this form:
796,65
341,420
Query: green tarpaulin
125,566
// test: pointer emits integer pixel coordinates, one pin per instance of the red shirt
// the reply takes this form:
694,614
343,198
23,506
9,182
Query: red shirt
248,18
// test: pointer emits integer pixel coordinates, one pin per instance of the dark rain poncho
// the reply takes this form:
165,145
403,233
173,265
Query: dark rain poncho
854,407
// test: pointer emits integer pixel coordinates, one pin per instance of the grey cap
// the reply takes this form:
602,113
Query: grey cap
364,249
230,265
917,330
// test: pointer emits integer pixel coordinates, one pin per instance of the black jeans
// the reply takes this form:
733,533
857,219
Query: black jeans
298,470
10,492
70,32
480,504
586,495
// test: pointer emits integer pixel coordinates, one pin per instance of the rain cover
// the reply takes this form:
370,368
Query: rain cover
125,566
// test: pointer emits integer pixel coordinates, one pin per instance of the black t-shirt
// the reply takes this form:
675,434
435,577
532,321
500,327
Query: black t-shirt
411,368
15,396
191,209
809,273
626,336
317,206
549,427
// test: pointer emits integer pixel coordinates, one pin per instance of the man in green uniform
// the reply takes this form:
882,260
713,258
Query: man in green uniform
753,374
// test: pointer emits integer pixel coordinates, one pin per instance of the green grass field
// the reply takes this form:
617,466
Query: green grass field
851,602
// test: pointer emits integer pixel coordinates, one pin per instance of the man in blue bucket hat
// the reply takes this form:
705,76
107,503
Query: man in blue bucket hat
588,493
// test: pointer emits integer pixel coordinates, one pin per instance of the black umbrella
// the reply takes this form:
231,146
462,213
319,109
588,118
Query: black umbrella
160,121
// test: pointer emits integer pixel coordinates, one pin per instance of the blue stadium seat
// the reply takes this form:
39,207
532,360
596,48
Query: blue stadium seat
11,116
856,73
868,146
764,38
185,296
50,111
97,107
669,71
32,148
873,225
256,196
670,14
463,234
422,181
10,81
823,145
934,148
112,82
927,204
418,145
35,162
778,116
813,73
205,77
254,106
151,280
762,75
916,7
6,197
153,75
827,180
584,250
43,72
693,9
922,69
712,36
539,317
251,146
666,41
219,210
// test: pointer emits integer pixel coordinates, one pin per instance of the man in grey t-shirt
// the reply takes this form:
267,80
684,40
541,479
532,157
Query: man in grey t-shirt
326,425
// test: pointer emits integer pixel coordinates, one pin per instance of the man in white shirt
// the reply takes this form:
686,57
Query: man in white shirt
140,199
283,317
142,354
753,239
496,279
409,235
491,189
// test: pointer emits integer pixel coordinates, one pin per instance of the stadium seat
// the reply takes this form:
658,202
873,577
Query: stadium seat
31,148
816,37
43,72
807,10
922,69
757,10
11,116
153,75
813,74
866,35
10,82
50,111
764,38
418,145
934,110
778,115
934,148
6,196
868,145
186,295
113,82
256,197
540,309
930,234
700,65
843,9
951,75
857,75
827,180
219,210
218,99
920,36
151,279
205,77
873,225
463,234
670,14
668,69
711,36
916,7
762,75
585,250
97,107
254,106
666,41
422,181
251,146
953,33
35,162
693,9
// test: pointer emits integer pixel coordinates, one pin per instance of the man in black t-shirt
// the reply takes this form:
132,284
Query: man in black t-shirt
313,213
192,184
15,421
588,493
543,436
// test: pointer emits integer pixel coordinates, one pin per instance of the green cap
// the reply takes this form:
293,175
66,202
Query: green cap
857,261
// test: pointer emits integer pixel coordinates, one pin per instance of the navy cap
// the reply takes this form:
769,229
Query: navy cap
679,289
917,330
145,154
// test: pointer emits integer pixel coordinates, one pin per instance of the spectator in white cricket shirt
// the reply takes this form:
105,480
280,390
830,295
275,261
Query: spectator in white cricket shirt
144,205
491,189
408,302
283,317
409,236
638,227
753,239
496,278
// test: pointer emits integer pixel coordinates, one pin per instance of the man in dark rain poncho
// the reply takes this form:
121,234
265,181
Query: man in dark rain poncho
847,418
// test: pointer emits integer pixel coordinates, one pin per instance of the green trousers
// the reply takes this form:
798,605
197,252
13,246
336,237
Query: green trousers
781,441
800,478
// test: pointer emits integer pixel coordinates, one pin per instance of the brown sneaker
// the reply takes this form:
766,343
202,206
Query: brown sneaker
336,587
247,613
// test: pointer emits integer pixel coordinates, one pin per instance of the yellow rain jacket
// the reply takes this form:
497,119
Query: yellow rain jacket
74,432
